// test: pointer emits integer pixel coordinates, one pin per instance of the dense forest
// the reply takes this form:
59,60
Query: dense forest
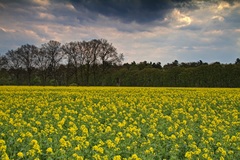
97,63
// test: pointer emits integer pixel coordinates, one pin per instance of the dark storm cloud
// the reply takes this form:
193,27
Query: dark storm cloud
140,11
231,2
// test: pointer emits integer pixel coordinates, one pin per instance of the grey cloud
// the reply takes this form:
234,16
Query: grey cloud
12,40
233,19
28,11
192,28
136,27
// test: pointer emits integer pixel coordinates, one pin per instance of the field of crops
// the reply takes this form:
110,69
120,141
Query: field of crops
119,123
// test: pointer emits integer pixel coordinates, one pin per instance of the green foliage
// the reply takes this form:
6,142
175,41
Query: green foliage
140,74
73,84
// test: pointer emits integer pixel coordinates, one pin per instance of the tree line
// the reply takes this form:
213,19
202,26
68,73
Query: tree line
97,62
73,63
175,74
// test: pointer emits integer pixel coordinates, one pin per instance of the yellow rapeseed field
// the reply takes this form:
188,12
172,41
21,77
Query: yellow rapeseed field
119,123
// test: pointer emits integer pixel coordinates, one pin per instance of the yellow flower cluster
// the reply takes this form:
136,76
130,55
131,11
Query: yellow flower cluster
3,149
119,123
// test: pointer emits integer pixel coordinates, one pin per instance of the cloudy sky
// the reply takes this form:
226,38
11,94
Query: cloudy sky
151,30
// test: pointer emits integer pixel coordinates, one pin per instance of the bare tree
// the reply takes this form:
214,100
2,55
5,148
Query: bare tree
27,54
86,48
85,60
74,51
94,51
99,52
14,64
3,61
108,55
54,54
81,57
42,63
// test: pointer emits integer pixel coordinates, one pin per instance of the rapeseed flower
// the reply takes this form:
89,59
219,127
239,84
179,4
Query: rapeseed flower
98,149
120,123
49,150
20,154
117,157
134,157
188,155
